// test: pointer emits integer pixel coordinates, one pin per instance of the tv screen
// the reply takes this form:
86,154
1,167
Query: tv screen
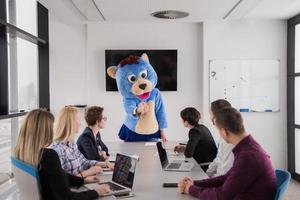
164,63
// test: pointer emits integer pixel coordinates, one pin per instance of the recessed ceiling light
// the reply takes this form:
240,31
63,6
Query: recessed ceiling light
170,14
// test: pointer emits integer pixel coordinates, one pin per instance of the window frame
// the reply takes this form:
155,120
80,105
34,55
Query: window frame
291,76
42,41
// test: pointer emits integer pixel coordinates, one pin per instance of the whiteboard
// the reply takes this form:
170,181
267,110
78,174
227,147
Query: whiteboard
249,85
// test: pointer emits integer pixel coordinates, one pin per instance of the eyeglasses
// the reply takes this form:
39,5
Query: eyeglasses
104,119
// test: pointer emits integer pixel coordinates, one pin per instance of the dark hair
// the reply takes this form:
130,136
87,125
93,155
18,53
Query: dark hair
230,119
218,105
129,60
191,115
93,114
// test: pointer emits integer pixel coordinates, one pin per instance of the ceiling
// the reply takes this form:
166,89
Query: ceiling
276,9
85,11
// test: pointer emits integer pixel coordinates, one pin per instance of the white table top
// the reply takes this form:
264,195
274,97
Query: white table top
149,175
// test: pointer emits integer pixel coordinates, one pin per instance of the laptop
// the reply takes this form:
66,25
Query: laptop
176,165
123,175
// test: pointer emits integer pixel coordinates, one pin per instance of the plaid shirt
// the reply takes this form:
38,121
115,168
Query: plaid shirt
71,159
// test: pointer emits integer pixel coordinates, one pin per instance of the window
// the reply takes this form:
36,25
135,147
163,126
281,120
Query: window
22,56
24,69
8,133
5,145
297,48
23,14
23,75
293,96
297,151
297,100
24,66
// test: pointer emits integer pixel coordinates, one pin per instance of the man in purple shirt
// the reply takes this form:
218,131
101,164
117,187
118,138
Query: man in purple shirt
251,176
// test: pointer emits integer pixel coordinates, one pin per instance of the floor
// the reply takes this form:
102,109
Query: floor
293,191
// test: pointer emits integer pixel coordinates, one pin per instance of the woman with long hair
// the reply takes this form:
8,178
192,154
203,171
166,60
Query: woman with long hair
66,125
35,136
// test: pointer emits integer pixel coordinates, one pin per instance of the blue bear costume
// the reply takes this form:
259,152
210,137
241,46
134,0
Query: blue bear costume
143,104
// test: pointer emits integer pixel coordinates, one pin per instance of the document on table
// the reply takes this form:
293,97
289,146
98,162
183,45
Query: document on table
150,143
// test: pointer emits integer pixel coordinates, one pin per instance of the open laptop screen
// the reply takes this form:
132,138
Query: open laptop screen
124,170
162,154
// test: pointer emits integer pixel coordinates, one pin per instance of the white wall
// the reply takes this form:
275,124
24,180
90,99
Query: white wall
77,70
77,67
184,37
248,39
67,64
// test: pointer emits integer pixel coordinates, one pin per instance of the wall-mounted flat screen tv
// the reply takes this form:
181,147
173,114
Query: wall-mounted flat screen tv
164,63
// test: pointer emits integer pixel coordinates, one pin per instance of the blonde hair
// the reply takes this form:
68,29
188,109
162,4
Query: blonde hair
64,124
35,134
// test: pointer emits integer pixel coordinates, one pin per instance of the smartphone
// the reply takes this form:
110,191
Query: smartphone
123,196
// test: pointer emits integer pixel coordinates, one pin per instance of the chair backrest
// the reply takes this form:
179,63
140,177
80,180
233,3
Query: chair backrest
283,178
27,180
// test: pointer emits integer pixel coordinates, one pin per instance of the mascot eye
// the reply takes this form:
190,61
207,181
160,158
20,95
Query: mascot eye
132,78
143,74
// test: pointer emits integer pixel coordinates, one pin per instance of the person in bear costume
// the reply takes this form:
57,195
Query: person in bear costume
145,113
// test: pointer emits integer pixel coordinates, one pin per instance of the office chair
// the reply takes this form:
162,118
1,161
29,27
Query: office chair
283,178
27,180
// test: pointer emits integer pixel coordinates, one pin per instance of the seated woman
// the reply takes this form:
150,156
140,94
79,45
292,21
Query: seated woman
72,160
201,145
32,147
90,143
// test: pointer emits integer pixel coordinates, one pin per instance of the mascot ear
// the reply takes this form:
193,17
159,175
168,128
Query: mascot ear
111,71
145,57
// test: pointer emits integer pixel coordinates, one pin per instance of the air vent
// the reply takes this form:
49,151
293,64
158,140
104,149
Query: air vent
170,14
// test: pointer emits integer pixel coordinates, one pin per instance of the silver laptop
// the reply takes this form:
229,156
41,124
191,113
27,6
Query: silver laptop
176,165
123,175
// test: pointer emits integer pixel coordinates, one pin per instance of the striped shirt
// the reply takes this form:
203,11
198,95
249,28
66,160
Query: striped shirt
71,159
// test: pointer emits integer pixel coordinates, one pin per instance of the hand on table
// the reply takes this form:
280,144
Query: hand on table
91,179
185,184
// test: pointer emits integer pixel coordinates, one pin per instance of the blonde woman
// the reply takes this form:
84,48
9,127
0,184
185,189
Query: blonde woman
66,125
32,147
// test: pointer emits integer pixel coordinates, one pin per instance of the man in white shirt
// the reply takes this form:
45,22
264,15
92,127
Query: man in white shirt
224,160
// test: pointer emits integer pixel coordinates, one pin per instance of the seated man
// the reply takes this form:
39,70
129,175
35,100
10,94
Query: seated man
201,145
224,160
251,176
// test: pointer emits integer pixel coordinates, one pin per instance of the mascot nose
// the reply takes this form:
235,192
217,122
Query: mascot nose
142,86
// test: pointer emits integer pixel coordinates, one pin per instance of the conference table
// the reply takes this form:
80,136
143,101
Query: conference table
149,175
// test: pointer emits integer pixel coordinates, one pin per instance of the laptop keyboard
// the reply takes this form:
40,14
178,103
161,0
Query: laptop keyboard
174,166
114,187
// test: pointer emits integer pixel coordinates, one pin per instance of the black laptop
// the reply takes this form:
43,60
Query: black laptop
123,175
176,165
